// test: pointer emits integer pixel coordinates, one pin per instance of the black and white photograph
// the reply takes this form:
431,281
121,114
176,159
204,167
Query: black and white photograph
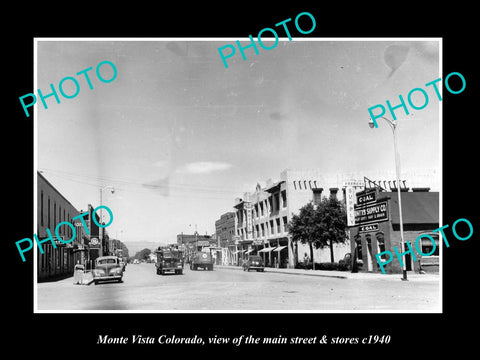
212,186
208,181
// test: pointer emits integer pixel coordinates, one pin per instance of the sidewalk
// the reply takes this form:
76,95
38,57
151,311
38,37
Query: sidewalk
343,274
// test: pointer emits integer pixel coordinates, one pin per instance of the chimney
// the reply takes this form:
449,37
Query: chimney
333,192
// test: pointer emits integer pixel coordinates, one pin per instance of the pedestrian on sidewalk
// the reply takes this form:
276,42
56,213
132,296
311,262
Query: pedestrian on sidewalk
306,260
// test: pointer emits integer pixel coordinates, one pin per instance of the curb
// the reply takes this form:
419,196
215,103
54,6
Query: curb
289,272
347,276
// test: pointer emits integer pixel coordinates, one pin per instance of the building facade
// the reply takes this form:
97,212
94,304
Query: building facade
420,210
53,208
225,232
262,216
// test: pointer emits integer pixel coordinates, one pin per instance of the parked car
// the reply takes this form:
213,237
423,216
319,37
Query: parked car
107,268
254,262
202,260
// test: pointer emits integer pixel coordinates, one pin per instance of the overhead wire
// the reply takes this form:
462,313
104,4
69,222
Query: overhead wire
132,185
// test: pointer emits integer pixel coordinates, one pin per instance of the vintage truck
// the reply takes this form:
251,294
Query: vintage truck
169,260
202,260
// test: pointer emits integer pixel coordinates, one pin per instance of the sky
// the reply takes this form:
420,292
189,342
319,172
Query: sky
178,136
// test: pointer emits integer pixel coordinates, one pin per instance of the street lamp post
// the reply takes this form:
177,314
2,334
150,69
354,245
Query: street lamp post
112,189
393,126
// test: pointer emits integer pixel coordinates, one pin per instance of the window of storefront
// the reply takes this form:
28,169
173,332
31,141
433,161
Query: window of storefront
358,241
427,245
41,208
368,238
381,244
48,213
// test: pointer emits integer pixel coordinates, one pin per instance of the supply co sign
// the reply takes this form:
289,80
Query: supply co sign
371,213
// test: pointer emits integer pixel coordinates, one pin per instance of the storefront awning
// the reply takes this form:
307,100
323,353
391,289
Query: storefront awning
267,249
239,251
280,248
249,251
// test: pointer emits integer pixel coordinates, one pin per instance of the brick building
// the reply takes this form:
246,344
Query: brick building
225,232
52,209
420,210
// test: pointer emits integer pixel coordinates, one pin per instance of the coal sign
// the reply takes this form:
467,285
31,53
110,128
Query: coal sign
367,198
370,213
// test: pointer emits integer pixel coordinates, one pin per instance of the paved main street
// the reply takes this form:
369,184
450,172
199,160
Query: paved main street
232,289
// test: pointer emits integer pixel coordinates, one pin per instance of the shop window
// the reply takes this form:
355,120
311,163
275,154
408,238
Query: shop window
277,201
381,245
427,245
48,213
368,238
358,241
41,208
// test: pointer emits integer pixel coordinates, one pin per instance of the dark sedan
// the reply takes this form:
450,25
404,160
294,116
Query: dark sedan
254,262
107,268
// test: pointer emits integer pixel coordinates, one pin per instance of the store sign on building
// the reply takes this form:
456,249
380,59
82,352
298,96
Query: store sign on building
367,198
368,228
248,211
94,242
350,200
370,213
203,243
354,183
257,242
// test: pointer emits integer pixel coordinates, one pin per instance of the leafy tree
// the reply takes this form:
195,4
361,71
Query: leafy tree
304,228
332,216
320,226
142,254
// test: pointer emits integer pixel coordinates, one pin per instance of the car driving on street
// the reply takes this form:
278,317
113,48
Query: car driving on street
107,268
254,262
169,260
